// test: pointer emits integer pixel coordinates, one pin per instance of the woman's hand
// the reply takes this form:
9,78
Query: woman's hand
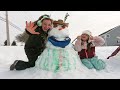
30,27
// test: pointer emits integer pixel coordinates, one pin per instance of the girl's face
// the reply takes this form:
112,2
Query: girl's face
84,37
46,25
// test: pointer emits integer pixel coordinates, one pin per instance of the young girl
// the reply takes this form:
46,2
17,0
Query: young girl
35,37
85,45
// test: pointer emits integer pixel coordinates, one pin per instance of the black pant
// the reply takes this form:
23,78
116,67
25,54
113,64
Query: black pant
32,57
22,65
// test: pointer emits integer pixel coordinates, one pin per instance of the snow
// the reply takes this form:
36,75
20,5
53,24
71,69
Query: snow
10,53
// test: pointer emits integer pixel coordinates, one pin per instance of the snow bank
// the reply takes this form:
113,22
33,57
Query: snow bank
10,53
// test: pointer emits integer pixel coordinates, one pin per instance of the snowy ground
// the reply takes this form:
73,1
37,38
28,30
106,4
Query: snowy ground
9,54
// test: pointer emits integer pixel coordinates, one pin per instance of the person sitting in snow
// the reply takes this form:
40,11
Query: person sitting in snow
59,54
85,45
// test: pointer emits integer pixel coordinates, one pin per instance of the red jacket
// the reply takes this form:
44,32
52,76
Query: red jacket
87,54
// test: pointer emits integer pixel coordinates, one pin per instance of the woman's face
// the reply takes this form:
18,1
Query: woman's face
84,37
46,24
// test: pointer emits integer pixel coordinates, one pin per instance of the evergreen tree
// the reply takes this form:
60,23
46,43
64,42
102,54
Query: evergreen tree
13,43
5,43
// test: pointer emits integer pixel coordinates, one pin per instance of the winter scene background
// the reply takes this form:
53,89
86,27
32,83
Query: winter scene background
96,21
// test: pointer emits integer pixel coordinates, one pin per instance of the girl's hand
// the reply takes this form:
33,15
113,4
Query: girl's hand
91,38
30,27
79,37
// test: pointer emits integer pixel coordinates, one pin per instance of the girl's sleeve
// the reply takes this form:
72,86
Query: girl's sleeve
77,45
98,41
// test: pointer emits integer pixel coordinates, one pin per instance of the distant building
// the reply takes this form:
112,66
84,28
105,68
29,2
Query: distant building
111,35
